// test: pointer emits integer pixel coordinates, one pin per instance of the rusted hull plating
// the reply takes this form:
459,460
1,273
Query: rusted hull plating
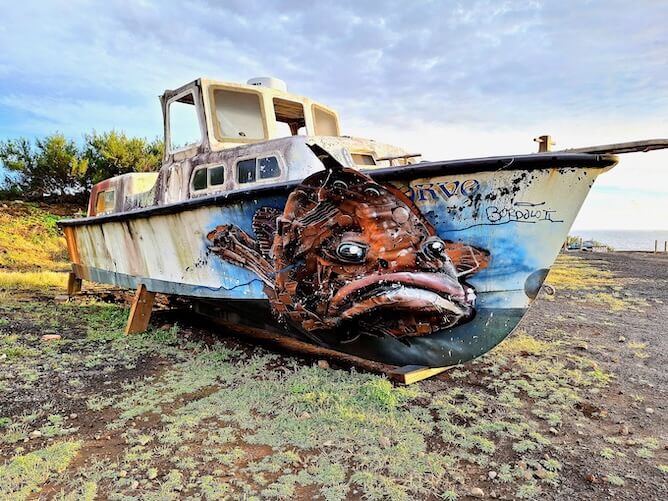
429,271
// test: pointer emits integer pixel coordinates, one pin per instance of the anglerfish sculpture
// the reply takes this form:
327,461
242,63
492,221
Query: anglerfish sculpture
349,257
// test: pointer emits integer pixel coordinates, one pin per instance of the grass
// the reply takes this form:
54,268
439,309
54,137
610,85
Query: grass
221,421
569,272
32,280
23,475
615,480
31,240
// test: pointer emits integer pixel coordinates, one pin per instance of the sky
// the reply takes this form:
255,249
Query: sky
449,79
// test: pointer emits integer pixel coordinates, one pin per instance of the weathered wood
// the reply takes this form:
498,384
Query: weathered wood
409,374
295,345
545,143
71,242
140,311
73,284
628,147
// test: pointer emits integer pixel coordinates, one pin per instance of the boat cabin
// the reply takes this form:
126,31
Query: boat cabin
222,136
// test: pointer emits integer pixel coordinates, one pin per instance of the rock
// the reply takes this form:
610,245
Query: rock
542,473
622,339
35,434
61,298
492,475
323,364
122,474
134,485
3,356
477,492
384,441
305,415
591,478
554,431
624,429
73,416
327,443
51,337
649,410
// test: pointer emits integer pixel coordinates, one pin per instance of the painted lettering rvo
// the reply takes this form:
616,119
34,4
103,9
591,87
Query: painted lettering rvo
445,190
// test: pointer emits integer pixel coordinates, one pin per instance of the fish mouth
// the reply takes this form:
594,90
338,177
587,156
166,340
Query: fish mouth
403,304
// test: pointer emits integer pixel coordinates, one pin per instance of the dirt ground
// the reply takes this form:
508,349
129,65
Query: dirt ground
571,406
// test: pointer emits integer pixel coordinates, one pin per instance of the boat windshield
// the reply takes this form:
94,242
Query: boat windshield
238,115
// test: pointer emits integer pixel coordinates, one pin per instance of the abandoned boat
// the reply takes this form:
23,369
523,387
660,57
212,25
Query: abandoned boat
263,210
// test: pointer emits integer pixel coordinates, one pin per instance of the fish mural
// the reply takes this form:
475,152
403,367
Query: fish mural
349,257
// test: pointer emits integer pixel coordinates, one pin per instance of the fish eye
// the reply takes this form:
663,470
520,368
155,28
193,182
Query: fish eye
370,190
339,185
435,248
351,252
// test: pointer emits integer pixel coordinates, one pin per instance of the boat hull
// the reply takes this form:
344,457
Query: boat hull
515,216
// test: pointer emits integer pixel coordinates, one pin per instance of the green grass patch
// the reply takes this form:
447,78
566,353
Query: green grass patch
570,272
23,475
31,240
32,280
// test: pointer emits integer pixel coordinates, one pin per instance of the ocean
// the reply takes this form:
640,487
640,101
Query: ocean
637,240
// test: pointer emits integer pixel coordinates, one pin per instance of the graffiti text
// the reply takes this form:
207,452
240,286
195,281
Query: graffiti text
521,212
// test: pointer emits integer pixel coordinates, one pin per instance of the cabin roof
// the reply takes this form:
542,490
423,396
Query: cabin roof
205,82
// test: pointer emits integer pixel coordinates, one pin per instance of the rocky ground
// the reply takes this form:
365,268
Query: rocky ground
571,406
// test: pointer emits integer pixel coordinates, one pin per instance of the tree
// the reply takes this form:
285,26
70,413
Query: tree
52,166
113,153
57,166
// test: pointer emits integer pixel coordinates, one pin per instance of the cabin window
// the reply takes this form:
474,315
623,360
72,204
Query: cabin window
252,169
105,201
325,122
184,129
216,175
238,115
289,117
204,178
246,171
269,167
362,159
199,180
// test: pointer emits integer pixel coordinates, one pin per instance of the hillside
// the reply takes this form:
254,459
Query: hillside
30,239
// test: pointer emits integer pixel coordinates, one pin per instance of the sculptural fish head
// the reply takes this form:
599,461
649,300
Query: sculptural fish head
349,256
352,254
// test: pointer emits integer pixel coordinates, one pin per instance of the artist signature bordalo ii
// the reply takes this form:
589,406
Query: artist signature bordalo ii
521,212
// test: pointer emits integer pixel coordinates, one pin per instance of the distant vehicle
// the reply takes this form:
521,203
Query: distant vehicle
588,246
262,205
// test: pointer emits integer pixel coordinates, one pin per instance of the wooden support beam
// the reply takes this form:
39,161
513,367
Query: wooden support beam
409,374
406,375
140,311
295,345
73,284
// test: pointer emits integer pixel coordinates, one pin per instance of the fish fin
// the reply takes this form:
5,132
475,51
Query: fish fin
235,246
328,161
264,226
